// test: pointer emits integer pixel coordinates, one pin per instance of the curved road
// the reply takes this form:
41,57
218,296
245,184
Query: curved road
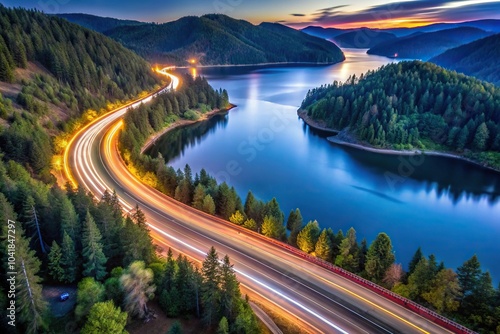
312,297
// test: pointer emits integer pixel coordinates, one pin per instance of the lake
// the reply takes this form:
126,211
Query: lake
448,207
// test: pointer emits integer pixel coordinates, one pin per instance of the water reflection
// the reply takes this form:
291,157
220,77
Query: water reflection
174,143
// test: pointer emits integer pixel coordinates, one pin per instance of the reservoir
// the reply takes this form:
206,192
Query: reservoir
448,207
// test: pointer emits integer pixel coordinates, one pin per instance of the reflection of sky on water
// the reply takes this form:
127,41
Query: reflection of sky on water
448,207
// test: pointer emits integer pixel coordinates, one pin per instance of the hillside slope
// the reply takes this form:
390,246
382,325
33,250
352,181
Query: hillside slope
219,39
411,105
97,23
478,59
51,72
427,45
362,38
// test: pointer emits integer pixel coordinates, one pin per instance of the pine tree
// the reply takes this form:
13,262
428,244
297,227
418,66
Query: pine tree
94,261
31,306
223,326
210,292
379,257
415,260
230,290
308,236
468,275
273,228
69,260
294,225
55,268
237,218
69,219
272,209
208,205
198,196
323,248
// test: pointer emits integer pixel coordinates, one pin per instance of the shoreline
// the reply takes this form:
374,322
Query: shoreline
333,139
182,122
264,64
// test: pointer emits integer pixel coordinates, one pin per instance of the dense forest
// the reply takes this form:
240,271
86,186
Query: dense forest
427,45
192,100
362,38
112,258
478,59
467,295
97,23
219,39
55,73
414,105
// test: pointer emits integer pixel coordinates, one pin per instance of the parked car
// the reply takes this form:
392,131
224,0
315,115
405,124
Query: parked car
64,296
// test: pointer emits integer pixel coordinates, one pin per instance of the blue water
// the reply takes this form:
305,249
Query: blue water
448,207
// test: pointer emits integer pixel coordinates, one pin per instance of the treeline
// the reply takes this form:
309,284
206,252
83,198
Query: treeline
88,242
219,39
478,59
194,98
81,71
414,105
87,61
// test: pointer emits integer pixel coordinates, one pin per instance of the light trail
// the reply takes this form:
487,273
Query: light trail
321,300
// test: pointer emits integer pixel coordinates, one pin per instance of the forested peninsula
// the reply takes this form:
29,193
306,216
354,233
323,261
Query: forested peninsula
413,106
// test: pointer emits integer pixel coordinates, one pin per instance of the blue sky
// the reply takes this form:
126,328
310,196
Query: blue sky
299,13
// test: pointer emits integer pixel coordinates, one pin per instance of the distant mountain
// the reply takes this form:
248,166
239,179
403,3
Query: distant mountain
427,45
97,23
479,59
219,39
330,33
325,33
362,38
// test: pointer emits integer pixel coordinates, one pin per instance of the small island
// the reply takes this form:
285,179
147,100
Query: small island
411,108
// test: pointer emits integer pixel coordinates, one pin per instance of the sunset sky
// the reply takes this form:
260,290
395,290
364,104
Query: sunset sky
297,13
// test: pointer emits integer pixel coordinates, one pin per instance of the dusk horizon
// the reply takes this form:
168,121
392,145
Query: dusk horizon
375,15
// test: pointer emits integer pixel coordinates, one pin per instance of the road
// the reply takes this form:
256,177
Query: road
314,298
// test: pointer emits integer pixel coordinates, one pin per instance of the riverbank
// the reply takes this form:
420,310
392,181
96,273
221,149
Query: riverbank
345,139
182,122
315,124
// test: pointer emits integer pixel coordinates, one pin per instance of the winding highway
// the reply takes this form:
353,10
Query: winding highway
316,299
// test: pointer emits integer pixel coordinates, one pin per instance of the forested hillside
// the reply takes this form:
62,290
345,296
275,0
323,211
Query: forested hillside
414,105
52,72
478,59
427,45
97,23
362,38
219,39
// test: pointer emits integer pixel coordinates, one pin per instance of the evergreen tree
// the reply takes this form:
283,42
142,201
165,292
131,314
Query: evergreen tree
272,209
198,196
273,228
237,218
415,260
208,205
308,236
323,248
175,328
210,292
31,306
69,260
230,290
294,225
69,219
94,260
348,257
223,326
468,275
55,257
379,257
250,224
